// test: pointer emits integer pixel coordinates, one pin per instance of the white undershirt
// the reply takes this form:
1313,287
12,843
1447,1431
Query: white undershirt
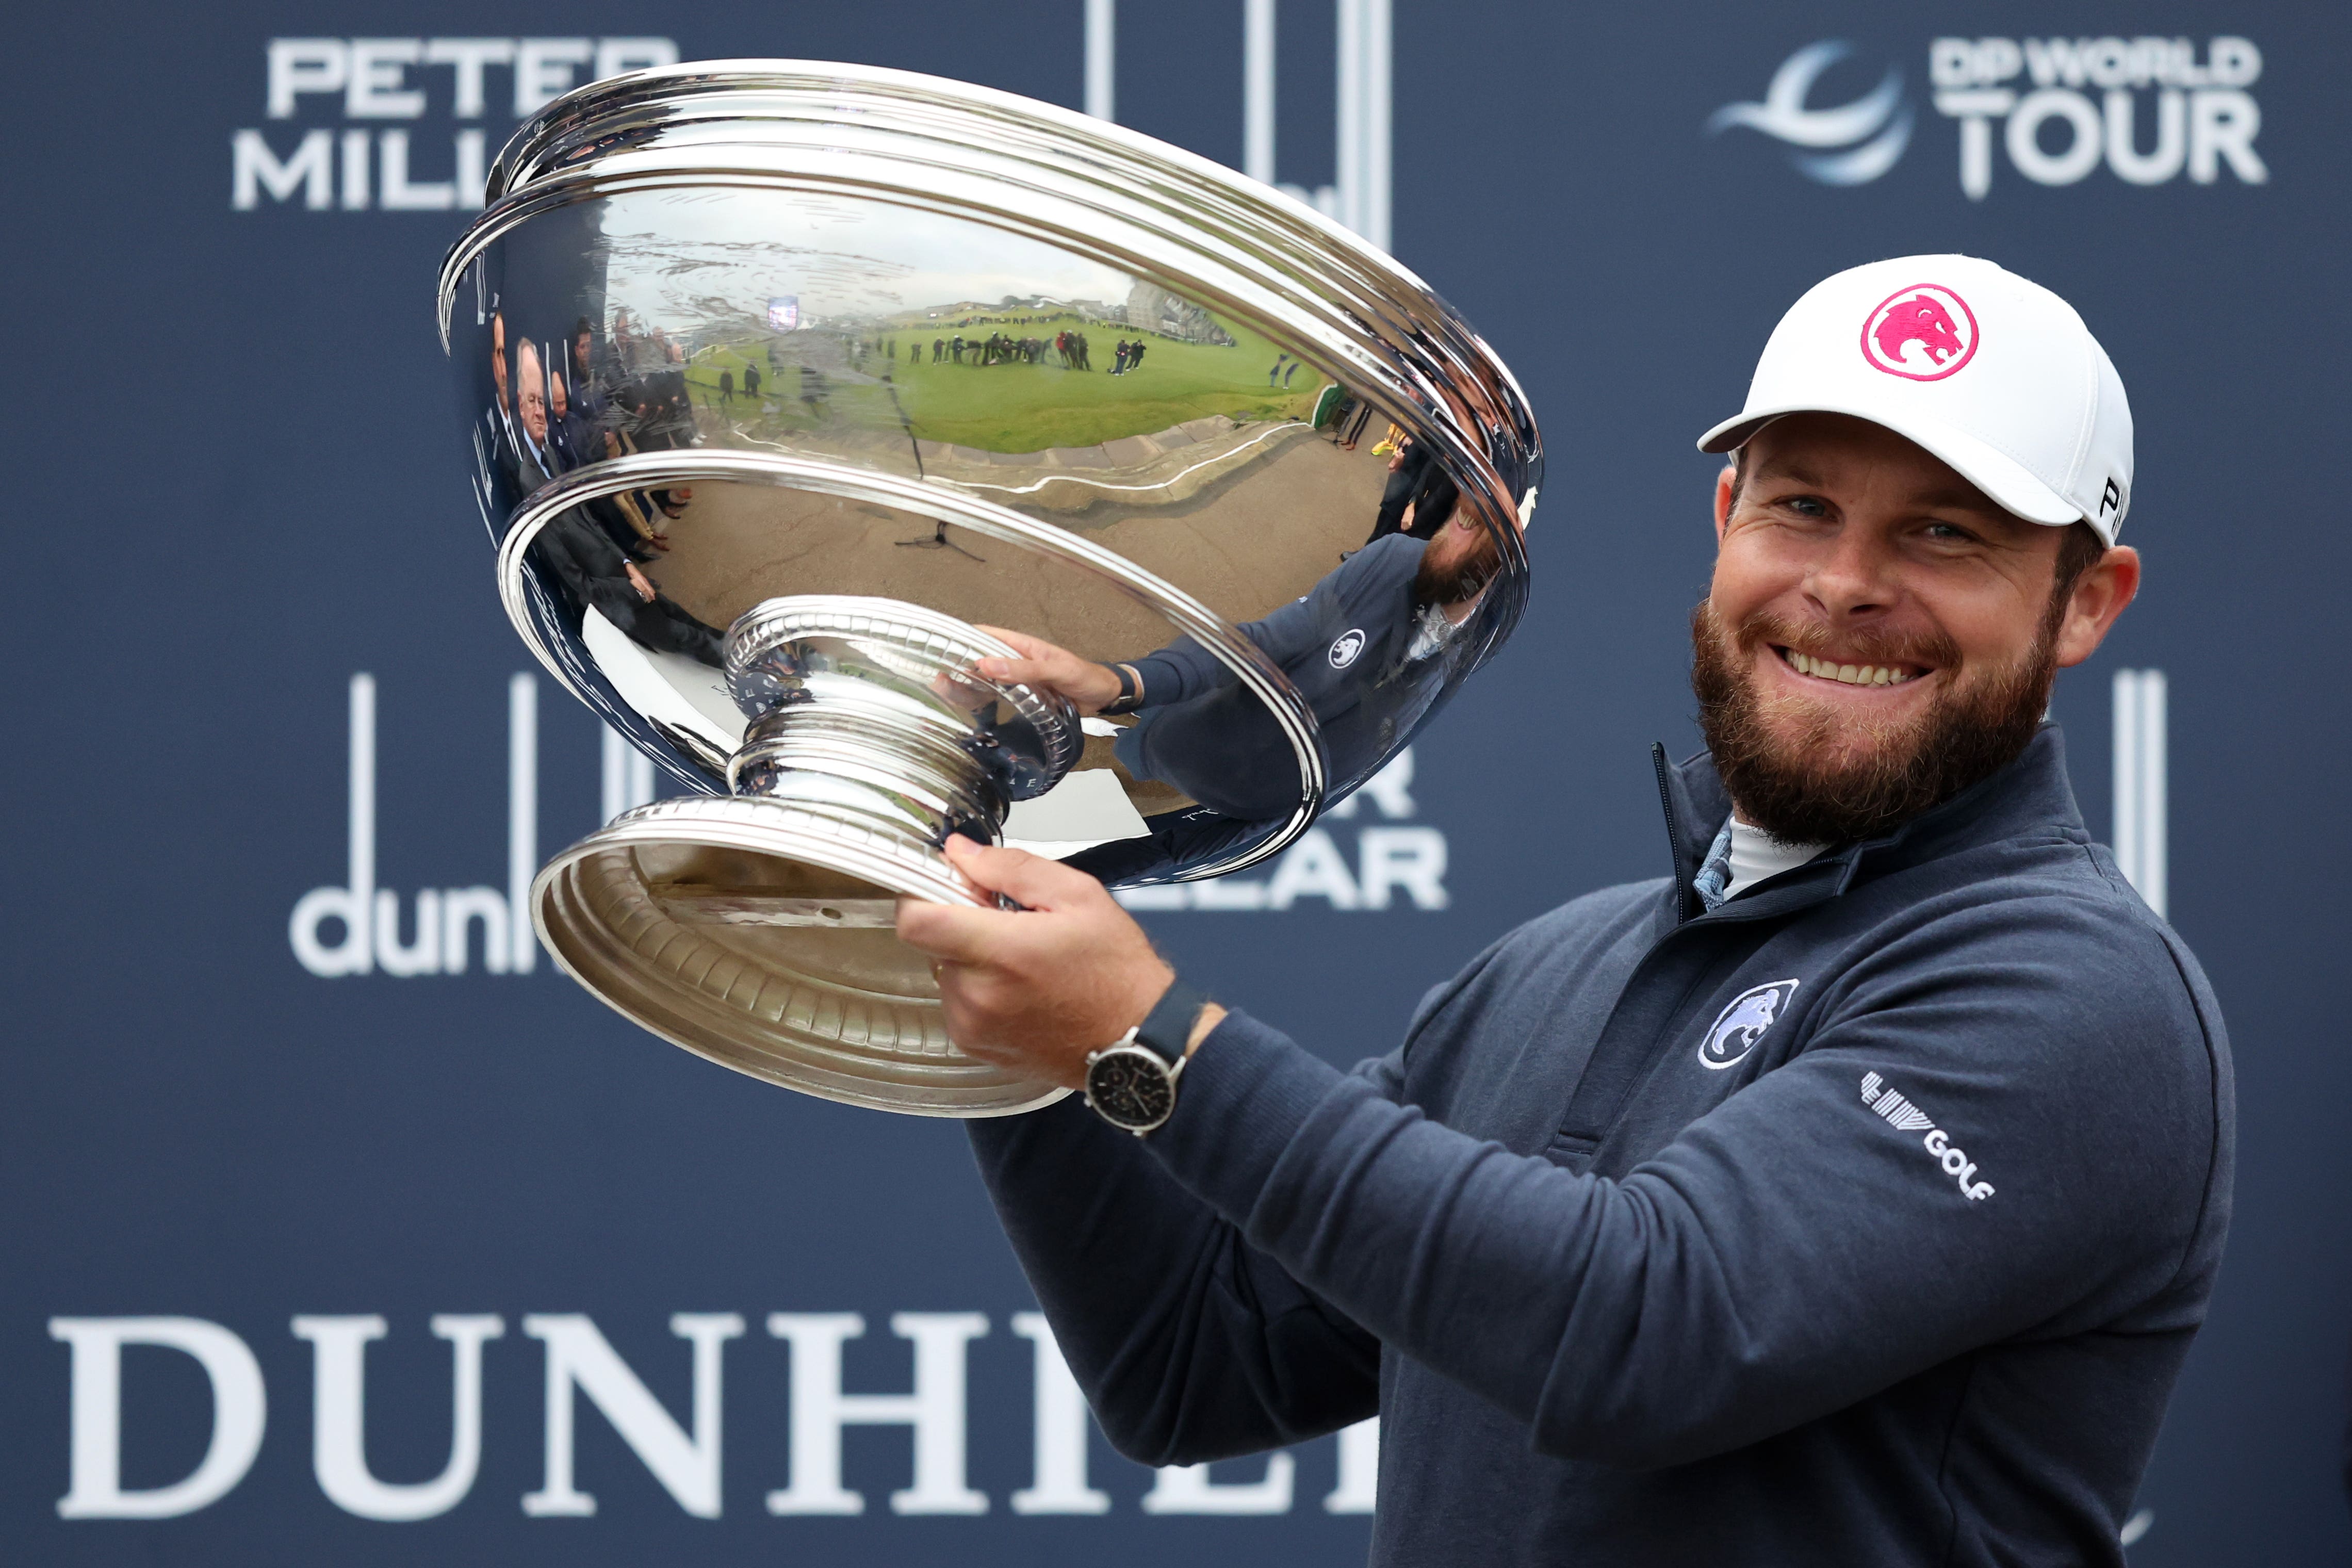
1756,856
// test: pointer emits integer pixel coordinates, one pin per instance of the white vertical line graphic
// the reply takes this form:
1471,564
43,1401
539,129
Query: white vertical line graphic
2141,784
522,817
1363,99
1102,59
1374,204
359,831
1349,129
628,775
1257,89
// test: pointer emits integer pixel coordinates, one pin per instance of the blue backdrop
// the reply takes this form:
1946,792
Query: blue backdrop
246,489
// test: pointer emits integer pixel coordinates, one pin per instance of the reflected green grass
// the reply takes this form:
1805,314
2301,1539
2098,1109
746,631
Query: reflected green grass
1018,407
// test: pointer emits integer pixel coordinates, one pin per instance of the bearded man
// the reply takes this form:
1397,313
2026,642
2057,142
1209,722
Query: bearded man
1849,1195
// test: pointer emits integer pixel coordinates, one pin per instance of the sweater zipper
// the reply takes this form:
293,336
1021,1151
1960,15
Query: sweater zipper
1673,832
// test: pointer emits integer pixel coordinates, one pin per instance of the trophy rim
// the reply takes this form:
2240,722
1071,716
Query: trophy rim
669,1009
1290,271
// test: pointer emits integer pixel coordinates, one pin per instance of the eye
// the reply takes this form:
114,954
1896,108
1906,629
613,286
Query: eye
1950,533
1805,506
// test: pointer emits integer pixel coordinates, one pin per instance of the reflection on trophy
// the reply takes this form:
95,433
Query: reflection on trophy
793,390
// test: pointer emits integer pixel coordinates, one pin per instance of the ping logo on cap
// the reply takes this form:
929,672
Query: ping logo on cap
1925,332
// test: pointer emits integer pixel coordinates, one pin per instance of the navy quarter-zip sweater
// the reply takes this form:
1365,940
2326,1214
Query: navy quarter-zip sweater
1865,1219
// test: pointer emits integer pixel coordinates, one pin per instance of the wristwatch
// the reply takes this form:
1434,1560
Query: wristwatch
1131,1082
1130,691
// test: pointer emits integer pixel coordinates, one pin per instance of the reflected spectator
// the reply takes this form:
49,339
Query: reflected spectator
530,405
568,436
1429,492
1408,462
499,365
589,400
596,575
500,415
626,517
751,380
1432,505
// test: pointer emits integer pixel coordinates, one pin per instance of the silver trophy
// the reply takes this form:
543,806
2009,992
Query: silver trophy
793,389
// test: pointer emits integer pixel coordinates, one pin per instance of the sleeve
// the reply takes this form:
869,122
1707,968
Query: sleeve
1190,1343
1184,669
1793,1251
1177,673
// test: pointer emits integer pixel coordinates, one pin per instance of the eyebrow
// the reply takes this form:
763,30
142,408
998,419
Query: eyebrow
1960,497
1967,498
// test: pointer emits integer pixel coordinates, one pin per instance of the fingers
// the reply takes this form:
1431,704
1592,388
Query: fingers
961,935
1026,645
1031,879
953,933
1017,672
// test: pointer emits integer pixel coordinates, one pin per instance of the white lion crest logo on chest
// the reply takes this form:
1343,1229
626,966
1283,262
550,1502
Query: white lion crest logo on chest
1740,1024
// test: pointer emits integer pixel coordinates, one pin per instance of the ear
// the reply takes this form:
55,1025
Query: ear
1723,499
2100,595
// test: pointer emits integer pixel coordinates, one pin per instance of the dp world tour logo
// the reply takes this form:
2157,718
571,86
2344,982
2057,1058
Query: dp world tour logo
1924,332
1867,135
1739,1026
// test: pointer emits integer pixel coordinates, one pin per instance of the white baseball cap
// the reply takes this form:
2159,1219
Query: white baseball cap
1996,375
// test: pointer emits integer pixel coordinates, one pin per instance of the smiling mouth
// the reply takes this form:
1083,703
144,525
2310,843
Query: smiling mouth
1813,668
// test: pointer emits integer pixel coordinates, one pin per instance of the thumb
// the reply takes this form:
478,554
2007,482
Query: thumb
1031,881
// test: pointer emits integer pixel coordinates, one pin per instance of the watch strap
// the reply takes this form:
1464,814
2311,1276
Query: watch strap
1167,1029
1130,691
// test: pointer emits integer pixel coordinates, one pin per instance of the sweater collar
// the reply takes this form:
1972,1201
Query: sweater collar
2032,793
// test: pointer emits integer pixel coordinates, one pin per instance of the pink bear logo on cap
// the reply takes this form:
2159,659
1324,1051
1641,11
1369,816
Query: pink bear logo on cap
1933,319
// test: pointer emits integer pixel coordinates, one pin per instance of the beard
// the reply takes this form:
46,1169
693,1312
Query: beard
1807,775
1451,571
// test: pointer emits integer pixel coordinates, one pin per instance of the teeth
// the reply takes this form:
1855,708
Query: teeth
1847,674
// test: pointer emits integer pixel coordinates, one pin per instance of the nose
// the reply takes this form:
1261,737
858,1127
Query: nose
1853,577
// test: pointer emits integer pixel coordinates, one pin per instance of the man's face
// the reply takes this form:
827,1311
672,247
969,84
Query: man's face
558,401
529,396
498,357
581,346
1879,633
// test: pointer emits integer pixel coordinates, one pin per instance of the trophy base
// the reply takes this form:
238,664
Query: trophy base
758,933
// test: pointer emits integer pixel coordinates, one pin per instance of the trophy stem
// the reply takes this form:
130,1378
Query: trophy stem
756,929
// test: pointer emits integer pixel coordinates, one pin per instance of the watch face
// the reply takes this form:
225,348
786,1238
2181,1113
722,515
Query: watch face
1130,1087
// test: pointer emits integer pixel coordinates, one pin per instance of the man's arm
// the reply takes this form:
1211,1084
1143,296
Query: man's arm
1184,669
1190,1343
1793,1251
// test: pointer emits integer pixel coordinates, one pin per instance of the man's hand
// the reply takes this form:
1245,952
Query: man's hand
1033,990
641,583
1089,686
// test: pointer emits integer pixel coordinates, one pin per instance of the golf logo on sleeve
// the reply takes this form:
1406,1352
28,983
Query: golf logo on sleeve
1901,1114
1925,332
1739,1025
1345,647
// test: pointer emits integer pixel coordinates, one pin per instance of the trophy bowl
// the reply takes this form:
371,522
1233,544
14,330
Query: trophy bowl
792,389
